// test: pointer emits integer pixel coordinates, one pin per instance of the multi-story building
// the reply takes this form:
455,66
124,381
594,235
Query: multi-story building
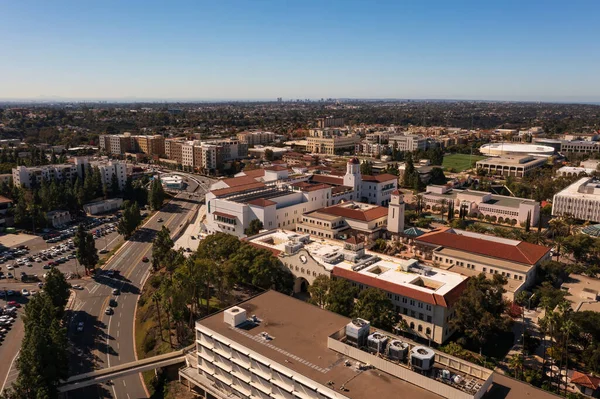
586,147
26,177
471,253
331,141
409,142
295,158
423,296
581,200
231,149
116,143
330,121
107,168
187,154
350,219
256,138
274,346
517,166
153,146
173,149
5,205
500,208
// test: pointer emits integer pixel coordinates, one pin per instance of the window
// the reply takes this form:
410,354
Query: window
428,331
428,319
412,326
420,328
412,313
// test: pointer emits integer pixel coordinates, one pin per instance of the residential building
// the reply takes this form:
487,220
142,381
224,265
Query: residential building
151,145
517,165
295,158
256,138
173,149
116,143
331,141
24,177
585,384
232,149
99,207
275,346
500,208
187,154
581,200
107,168
330,121
409,142
471,253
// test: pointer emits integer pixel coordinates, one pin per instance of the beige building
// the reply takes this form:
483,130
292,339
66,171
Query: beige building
409,142
499,208
517,165
173,149
470,254
331,141
256,138
150,145
423,296
580,200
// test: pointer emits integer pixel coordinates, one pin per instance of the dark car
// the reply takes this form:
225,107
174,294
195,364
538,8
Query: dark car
113,303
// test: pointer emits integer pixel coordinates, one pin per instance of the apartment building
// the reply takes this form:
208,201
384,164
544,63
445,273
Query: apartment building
255,138
275,346
331,141
295,158
500,208
107,168
517,166
5,205
330,121
173,149
151,145
409,142
26,177
581,200
471,253
187,154
118,144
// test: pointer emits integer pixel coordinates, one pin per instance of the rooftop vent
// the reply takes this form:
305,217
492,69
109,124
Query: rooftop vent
234,316
422,358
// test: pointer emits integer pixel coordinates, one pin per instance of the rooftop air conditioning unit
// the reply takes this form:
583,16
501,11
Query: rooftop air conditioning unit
422,358
376,342
234,316
357,332
397,350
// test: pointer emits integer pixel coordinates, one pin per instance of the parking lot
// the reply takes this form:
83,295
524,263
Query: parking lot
27,263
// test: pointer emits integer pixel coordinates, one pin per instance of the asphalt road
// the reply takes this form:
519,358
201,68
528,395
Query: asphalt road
108,340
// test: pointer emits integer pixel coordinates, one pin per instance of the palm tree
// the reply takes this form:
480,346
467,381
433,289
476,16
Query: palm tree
567,328
517,363
156,297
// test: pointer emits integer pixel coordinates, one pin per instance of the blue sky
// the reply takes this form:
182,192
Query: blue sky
255,49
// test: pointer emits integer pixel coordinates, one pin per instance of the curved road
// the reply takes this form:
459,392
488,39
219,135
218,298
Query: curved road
108,340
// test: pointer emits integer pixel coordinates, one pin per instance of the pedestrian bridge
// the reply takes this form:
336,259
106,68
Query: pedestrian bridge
122,370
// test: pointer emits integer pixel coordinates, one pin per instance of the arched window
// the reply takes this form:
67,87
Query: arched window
420,328
428,331
412,326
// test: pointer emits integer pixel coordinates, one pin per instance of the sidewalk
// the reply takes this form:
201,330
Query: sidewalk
194,229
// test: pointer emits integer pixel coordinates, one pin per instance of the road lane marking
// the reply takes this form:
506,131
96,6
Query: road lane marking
7,374
124,383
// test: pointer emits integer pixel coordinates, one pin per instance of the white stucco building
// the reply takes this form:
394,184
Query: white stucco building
580,200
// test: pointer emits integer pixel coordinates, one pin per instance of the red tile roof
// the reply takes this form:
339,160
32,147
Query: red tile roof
333,180
434,299
262,202
352,240
239,181
585,380
380,178
278,162
396,192
4,200
524,252
254,173
276,168
304,186
238,189
357,214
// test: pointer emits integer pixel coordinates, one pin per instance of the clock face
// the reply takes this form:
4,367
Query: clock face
303,259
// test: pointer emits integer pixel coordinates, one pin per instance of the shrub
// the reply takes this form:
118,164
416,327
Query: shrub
155,281
149,343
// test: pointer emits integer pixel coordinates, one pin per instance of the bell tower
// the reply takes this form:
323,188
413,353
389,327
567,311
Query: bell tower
395,222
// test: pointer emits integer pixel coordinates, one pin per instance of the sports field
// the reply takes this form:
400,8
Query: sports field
460,162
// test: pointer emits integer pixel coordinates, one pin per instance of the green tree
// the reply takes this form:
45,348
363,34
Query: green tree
409,170
86,252
366,168
269,155
318,290
156,195
340,298
479,312
130,220
437,176
161,245
43,359
374,305
115,190
57,289
254,227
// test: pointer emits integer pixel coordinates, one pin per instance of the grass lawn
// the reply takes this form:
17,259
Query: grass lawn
460,162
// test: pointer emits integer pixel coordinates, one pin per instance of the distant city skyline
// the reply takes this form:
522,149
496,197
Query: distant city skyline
217,51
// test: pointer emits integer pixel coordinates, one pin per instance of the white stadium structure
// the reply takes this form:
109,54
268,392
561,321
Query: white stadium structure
498,149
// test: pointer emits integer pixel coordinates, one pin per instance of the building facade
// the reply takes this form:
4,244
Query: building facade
255,138
581,200
331,141
409,142
517,166
26,177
